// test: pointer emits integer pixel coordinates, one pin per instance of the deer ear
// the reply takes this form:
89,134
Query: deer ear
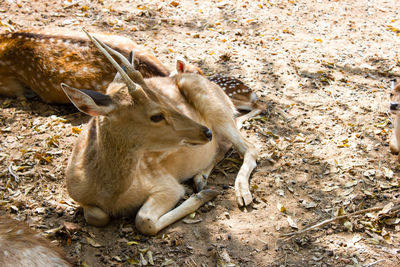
89,102
180,65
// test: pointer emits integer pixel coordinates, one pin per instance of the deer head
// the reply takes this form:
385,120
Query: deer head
395,98
131,110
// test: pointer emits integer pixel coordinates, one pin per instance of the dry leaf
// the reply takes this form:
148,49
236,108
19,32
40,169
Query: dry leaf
280,207
92,242
291,222
76,130
174,3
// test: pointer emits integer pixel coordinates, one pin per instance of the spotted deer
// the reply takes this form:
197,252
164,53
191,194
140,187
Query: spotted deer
69,56
146,137
242,96
42,60
22,246
394,108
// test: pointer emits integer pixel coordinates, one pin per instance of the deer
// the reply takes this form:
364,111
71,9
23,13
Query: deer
55,56
22,246
145,138
242,96
58,56
394,107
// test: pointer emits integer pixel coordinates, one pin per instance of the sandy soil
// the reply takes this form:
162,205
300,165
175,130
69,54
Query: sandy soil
322,70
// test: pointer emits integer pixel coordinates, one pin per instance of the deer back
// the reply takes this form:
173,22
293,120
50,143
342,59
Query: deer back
242,96
41,61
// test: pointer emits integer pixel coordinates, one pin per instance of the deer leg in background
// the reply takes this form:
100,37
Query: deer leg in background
156,213
249,152
10,86
241,119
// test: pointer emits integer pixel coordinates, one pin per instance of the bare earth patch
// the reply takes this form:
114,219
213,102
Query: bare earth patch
322,70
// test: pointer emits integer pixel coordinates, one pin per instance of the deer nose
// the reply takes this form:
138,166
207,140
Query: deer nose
207,132
394,105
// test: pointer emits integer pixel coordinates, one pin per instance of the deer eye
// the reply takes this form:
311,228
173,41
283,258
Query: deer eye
157,118
391,94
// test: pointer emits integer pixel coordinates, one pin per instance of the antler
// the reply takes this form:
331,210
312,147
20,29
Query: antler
106,50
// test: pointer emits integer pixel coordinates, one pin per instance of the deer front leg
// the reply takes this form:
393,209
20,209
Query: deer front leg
155,214
95,216
249,152
200,180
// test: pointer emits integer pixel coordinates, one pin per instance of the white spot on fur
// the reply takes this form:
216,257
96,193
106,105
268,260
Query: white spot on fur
253,97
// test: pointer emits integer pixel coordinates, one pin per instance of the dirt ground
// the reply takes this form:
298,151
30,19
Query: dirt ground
322,70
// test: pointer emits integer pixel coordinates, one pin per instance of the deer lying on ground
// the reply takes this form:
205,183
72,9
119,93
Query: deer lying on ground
21,246
394,143
242,96
146,137
69,56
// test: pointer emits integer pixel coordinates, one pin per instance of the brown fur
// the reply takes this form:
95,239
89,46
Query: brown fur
41,61
21,246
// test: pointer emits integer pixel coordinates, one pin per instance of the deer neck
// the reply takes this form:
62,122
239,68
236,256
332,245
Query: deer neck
113,157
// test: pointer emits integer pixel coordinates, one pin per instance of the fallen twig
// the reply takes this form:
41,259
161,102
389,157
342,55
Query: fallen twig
373,263
323,223
13,174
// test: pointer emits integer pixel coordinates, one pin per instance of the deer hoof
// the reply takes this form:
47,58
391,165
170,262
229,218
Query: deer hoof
95,216
200,182
207,195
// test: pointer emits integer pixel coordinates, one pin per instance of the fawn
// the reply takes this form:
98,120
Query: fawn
146,137
21,246
54,57
394,109
241,95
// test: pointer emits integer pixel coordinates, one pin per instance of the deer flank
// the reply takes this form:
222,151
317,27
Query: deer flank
42,60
